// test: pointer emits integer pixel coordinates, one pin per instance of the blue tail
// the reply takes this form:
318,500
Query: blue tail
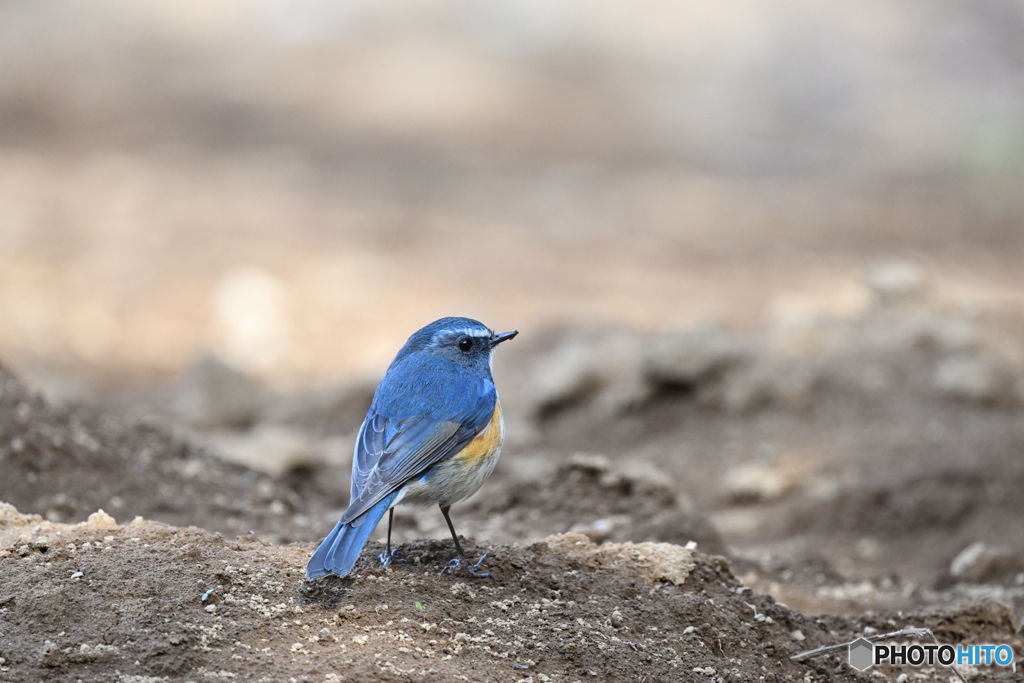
340,550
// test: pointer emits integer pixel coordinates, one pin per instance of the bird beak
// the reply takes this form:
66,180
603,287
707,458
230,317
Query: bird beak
499,337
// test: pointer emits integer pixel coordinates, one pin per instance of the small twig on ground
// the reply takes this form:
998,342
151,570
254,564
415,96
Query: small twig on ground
882,636
916,632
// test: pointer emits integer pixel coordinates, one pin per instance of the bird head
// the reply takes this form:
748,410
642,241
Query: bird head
461,341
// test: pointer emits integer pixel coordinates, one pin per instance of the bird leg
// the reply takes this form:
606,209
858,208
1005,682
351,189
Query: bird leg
461,562
385,558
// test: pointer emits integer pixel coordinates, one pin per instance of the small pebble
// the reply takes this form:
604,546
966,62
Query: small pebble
616,620
77,575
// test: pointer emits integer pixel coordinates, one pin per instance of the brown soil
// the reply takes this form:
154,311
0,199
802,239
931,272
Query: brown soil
103,602
96,601
68,462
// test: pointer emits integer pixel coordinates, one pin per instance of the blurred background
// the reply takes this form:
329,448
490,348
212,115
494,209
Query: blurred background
298,185
234,213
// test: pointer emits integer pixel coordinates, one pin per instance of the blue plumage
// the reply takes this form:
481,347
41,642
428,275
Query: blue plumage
432,435
340,550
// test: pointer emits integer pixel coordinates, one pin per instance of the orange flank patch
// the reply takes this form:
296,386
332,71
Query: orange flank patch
486,442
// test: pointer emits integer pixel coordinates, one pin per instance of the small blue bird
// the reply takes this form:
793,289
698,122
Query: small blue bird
432,436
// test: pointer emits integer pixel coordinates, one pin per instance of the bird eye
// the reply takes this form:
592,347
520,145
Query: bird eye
465,344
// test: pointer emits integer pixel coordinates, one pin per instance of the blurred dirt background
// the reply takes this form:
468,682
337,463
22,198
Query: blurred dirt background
764,259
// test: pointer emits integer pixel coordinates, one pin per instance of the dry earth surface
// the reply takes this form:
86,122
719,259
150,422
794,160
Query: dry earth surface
862,470
147,601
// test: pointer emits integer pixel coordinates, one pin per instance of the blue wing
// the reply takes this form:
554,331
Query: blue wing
390,451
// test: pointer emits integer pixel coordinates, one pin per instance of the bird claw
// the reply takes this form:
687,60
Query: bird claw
460,563
385,559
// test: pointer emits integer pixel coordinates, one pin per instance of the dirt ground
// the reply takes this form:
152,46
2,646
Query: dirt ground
147,601
839,477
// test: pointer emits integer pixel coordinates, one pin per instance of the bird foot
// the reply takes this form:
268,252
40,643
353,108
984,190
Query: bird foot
462,563
385,559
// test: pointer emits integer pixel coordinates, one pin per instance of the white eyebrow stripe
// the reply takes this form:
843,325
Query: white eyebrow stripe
469,332
463,332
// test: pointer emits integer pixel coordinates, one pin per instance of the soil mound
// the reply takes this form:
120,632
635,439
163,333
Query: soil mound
590,495
66,462
98,601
